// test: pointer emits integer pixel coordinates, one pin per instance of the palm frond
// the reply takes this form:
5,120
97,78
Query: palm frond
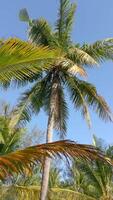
93,178
85,93
61,112
77,69
78,99
19,59
72,67
40,32
94,100
69,194
81,57
100,50
31,102
22,160
23,15
27,192
65,21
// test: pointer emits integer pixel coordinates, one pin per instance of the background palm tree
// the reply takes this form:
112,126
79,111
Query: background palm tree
94,180
48,90
10,139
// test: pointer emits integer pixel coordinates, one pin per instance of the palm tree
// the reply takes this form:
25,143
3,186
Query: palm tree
16,66
96,179
49,88
9,138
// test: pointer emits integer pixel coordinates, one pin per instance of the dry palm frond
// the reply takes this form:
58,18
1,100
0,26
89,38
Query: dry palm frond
22,160
75,69
82,57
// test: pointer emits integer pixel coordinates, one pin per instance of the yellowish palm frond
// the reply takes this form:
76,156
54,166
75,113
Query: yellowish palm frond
19,59
33,192
75,69
82,57
71,66
21,161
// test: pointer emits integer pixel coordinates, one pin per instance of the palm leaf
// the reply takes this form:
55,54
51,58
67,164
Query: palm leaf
40,32
84,94
81,57
78,99
61,111
27,192
100,50
77,69
21,160
94,100
23,15
69,194
20,59
65,21
30,102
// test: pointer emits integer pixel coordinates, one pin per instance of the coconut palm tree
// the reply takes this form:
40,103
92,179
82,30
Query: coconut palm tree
94,180
9,138
49,88
12,68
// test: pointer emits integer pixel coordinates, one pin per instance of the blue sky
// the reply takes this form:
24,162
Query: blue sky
93,21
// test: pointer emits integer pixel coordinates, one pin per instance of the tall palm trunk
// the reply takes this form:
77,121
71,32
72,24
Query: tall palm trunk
50,127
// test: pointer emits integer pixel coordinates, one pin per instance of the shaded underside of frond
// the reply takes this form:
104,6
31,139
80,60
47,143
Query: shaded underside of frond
84,95
22,160
61,112
31,102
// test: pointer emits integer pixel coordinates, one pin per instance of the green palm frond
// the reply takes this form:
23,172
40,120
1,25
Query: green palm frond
78,99
41,33
23,15
61,112
19,59
94,100
97,176
68,194
19,192
22,160
30,103
82,91
100,50
93,178
65,21
23,192
9,137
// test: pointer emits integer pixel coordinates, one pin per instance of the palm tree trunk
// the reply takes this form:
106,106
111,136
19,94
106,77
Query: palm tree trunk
50,127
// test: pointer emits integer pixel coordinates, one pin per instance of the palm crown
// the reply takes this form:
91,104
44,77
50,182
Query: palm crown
64,71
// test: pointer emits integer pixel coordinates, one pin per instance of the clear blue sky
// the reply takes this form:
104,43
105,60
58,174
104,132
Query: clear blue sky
93,21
